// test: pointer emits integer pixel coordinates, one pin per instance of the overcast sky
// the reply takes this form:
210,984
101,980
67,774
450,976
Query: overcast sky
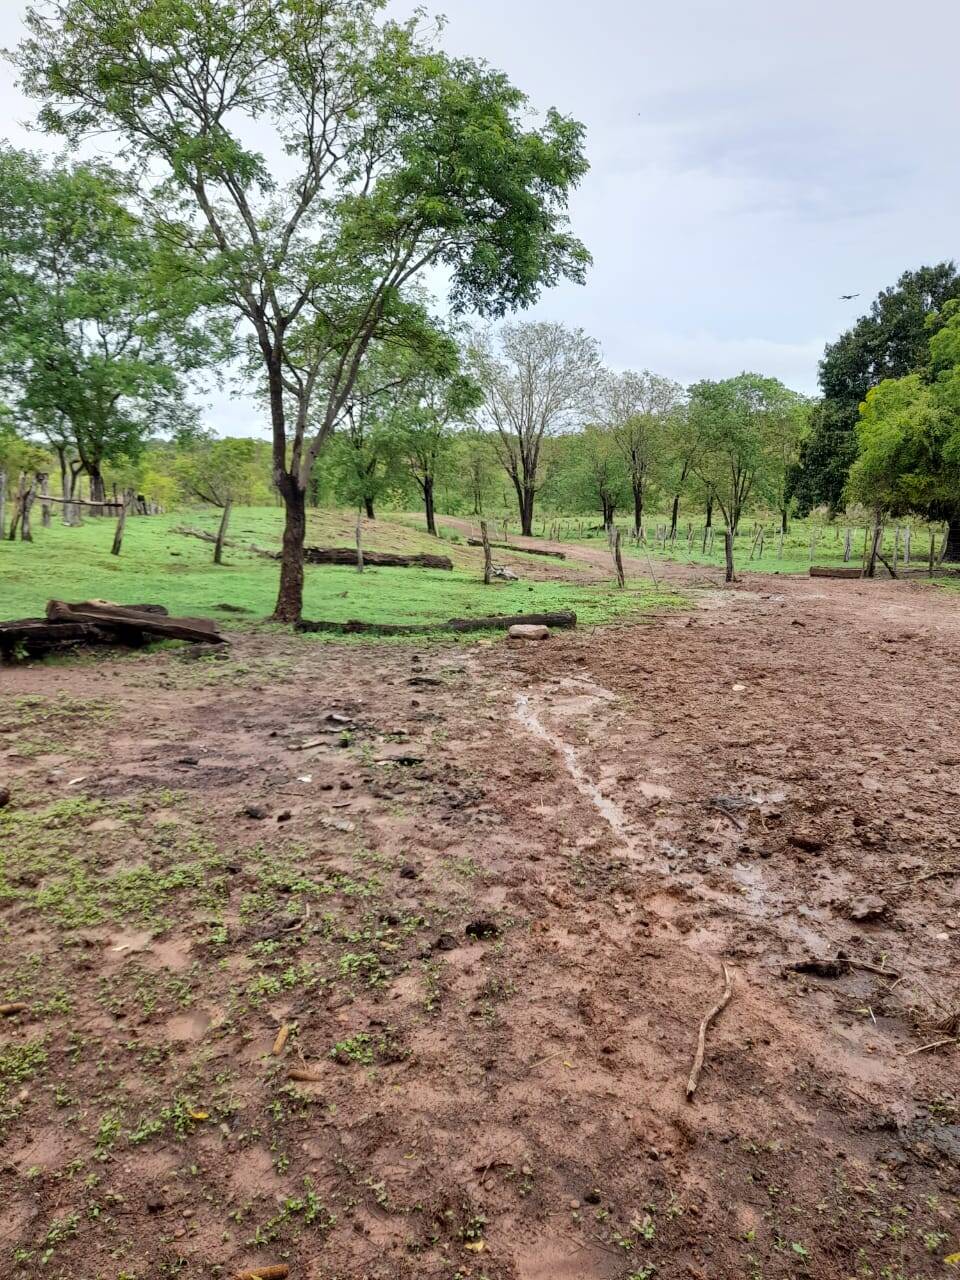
751,161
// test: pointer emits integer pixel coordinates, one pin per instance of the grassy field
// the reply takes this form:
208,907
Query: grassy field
158,565
810,541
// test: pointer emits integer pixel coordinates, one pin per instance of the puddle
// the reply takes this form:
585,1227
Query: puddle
189,1026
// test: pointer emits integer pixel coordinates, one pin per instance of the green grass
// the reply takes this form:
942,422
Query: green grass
794,558
162,567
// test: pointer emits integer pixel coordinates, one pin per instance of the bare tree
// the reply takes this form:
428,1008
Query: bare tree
539,379
637,407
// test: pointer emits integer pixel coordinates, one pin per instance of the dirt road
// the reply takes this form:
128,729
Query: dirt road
489,889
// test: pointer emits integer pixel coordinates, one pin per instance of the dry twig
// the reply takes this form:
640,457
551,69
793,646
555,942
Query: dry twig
721,1004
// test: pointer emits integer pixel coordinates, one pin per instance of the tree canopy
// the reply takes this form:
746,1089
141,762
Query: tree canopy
317,159
93,352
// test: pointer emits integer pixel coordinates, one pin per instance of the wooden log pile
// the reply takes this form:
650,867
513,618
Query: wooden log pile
496,622
99,622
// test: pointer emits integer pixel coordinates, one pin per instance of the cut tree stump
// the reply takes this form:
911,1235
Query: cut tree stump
497,622
528,551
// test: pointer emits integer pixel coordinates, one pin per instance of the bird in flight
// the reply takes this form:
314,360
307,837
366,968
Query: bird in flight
848,297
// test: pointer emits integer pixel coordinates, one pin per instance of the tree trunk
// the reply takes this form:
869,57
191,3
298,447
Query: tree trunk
783,520
97,491
637,510
952,553
368,507
3,497
728,549
674,515
17,509
428,505
26,533
289,607
222,532
487,554
709,523
527,495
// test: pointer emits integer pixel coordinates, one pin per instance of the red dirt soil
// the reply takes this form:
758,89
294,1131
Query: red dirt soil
492,907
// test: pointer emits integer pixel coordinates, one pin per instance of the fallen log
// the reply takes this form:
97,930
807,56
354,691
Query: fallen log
35,637
530,551
126,618
380,559
331,555
826,571
496,622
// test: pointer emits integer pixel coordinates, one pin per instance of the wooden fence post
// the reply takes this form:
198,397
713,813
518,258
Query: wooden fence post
359,542
487,554
3,498
121,525
44,479
618,562
728,549
846,545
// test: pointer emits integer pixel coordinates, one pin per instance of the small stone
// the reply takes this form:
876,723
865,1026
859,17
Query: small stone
155,1204
574,1204
807,841
869,908
526,1171
285,816
255,811
446,942
521,631
188,760
408,871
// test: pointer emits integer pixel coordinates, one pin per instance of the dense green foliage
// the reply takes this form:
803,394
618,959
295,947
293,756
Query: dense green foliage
891,341
92,350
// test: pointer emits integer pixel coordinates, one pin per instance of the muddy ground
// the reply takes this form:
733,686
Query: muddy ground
488,890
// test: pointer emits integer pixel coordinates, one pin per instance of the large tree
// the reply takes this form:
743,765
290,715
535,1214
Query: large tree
909,437
379,157
425,419
890,341
740,423
92,351
538,379
637,408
